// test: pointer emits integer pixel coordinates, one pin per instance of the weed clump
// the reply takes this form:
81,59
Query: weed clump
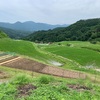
45,79
21,79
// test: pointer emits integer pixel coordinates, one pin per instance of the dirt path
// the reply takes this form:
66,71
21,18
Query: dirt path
31,65
11,59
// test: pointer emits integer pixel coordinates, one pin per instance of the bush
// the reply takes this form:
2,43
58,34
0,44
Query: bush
93,42
68,44
45,79
21,79
59,43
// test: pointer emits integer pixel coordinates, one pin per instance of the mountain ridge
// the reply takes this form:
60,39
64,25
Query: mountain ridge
14,34
82,30
29,26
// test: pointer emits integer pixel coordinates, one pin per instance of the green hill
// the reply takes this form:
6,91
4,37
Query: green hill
83,30
70,55
27,49
15,34
3,35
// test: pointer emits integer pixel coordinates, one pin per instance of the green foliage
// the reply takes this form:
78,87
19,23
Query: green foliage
3,35
7,91
55,90
21,79
83,30
15,34
83,53
68,44
93,42
61,92
45,79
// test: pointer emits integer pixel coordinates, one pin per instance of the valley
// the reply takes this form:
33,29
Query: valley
45,70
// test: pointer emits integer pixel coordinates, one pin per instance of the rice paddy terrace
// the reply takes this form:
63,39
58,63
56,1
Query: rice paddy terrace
52,58
74,79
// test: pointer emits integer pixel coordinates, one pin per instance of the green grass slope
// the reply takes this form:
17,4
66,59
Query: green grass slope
3,35
71,57
20,47
15,34
84,53
28,49
47,87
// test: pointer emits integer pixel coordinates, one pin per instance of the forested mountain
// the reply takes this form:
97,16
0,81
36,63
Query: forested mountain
29,26
3,35
15,34
83,30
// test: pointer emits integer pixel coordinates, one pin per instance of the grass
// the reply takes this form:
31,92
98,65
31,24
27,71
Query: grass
31,50
83,56
71,57
48,88
23,48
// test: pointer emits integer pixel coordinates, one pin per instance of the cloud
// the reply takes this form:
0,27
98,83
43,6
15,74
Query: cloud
48,11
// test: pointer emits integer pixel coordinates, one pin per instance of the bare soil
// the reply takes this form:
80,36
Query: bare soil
25,90
78,87
3,75
31,65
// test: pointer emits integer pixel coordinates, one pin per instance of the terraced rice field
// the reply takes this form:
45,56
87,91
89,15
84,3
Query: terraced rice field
83,53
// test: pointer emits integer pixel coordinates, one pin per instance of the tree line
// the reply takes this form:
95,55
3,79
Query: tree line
82,30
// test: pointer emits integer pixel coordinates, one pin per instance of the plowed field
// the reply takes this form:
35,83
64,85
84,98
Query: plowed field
31,65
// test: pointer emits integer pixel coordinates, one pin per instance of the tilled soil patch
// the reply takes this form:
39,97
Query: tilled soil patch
25,90
78,87
31,65
3,75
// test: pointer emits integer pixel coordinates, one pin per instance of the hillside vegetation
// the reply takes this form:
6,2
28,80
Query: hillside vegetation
84,53
3,35
69,55
23,86
28,49
16,84
83,30
15,34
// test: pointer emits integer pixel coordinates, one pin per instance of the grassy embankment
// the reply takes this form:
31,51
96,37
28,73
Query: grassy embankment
71,54
46,87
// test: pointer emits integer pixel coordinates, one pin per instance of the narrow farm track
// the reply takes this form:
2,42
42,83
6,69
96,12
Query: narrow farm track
10,59
31,65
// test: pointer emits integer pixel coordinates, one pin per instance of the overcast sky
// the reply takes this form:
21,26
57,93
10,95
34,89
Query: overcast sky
48,11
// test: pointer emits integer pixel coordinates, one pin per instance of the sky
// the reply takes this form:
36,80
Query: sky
48,11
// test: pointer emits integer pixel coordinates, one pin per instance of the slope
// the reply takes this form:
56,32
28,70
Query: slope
31,50
83,30
3,35
29,26
15,34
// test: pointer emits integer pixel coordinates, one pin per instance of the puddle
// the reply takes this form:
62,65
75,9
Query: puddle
55,63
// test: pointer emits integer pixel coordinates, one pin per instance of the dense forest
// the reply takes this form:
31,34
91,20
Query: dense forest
3,35
82,30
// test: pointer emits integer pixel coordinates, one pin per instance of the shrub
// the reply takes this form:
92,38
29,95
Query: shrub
45,79
21,79
93,42
68,44
59,43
